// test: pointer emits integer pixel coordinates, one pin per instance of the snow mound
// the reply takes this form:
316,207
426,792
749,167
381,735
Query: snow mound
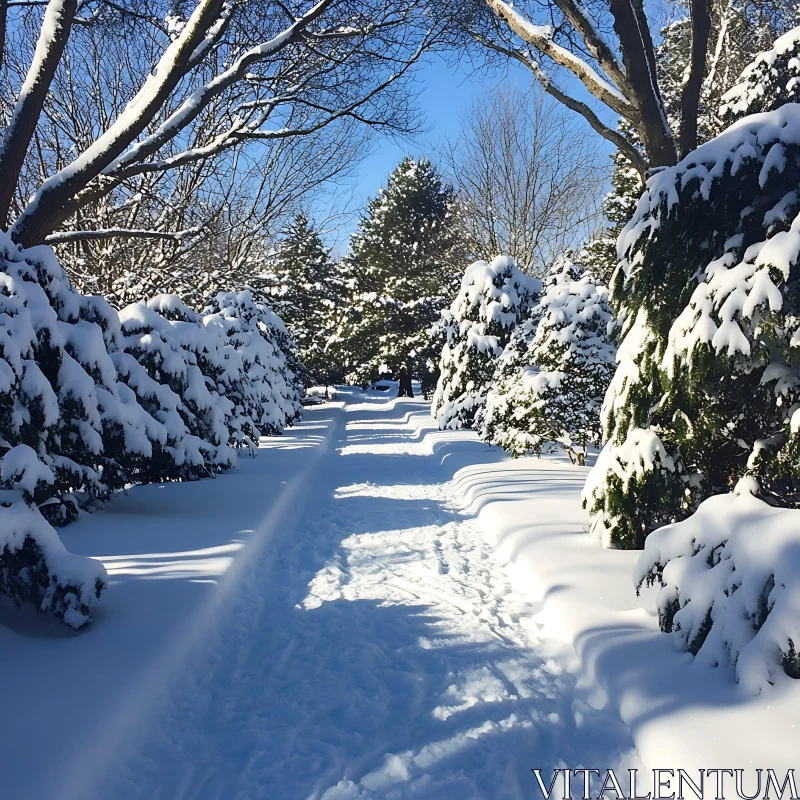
730,578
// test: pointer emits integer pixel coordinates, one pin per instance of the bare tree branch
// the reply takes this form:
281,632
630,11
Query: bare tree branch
546,82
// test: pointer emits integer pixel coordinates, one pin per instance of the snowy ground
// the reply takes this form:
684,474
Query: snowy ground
339,619
358,640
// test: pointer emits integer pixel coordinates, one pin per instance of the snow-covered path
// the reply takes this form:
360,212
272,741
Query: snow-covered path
372,648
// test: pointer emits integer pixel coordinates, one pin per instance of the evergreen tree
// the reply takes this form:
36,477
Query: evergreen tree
493,298
771,80
599,254
706,383
307,296
555,392
403,266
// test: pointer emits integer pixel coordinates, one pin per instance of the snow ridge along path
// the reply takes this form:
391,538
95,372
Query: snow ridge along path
370,645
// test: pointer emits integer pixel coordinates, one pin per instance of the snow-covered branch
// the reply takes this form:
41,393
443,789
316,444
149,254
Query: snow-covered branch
541,38
626,84
50,204
549,86
223,75
109,233
53,38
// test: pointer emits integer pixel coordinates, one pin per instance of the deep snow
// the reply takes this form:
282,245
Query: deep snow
324,623
339,619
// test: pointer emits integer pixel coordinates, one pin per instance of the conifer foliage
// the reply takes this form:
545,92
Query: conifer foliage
308,295
768,82
492,300
403,267
706,384
92,400
554,393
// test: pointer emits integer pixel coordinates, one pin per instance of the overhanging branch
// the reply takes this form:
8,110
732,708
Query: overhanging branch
61,237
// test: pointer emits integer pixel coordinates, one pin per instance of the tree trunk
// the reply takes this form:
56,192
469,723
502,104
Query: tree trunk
700,12
638,55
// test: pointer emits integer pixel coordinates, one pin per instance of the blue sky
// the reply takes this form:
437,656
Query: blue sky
447,93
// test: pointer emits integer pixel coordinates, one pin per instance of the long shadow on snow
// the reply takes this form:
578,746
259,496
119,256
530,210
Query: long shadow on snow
364,692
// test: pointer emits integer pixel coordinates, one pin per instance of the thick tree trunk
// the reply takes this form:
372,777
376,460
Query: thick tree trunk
638,55
405,389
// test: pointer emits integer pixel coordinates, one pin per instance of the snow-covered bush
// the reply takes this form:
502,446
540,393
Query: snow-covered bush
706,384
490,416
84,433
771,80
492,299
269,355
92,399
177,367
36,568
555,392
730,578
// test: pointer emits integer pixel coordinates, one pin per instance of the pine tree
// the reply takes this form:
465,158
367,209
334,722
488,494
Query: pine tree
554,393
492,300
402,268
599,254
308,295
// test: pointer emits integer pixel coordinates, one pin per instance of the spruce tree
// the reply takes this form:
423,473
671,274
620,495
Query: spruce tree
555,393
706,387
307,295
491,301
402,269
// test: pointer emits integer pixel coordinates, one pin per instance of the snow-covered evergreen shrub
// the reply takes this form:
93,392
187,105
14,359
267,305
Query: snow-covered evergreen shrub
59,389
492,299
706,382
490,416
177,367
269,354
36,568
771,80
730,578
555,392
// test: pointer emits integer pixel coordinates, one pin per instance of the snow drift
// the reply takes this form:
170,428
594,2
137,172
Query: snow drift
730,578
